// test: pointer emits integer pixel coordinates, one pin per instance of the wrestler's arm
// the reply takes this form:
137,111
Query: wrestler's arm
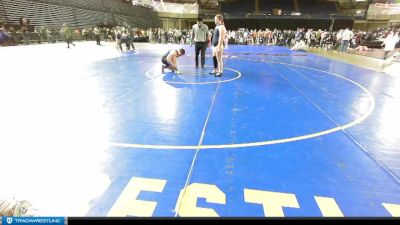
222,33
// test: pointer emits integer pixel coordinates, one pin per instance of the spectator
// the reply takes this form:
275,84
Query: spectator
390,43
300,46
67,33
96,33
4,36
347,35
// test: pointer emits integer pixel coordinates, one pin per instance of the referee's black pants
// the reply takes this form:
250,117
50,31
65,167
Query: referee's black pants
200,47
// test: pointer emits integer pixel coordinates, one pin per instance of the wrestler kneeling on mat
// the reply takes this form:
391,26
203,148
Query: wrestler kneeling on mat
169,59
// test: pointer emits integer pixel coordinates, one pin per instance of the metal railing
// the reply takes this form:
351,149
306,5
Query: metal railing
286,16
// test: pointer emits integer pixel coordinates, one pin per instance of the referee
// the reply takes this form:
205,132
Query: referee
200,37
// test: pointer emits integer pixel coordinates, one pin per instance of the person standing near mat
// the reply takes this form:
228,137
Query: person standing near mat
391,40
218,45
390,43
169,59
97,33
200,38
67,33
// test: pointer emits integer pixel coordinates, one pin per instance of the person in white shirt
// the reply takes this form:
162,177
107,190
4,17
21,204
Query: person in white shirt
96,32
299,46
338,40
347,35
390,43
390,49
226,40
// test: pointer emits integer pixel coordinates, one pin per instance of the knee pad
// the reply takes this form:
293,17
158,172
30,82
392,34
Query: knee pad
215,61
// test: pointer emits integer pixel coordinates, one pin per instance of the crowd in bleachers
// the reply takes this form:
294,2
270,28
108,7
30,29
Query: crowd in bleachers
300,39
328,40
26,34
14,35
174,36
311,38
76,13
285,7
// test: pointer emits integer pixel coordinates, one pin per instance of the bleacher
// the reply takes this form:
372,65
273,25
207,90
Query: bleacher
239,8
308,8
3,16
286,6
316,7
79,13
247,8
